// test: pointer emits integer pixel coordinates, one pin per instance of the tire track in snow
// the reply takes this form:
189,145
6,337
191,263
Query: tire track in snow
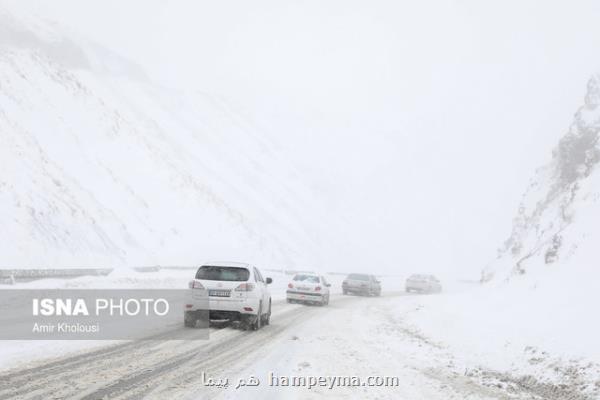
139,367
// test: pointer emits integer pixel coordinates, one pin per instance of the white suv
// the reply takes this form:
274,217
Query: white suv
236,292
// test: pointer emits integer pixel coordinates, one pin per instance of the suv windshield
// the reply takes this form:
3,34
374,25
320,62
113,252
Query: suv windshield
212,273
358,277
307,278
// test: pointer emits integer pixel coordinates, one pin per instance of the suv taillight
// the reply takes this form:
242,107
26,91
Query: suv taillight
245,287
318,288
195,285
290,286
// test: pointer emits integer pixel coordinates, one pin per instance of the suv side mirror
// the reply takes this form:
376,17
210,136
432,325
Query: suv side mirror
269,281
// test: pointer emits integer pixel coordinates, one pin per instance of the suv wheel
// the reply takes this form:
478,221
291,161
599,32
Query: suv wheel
267,318
189,320
258,323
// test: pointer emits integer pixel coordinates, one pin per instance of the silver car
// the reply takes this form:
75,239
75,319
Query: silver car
423,284
367,285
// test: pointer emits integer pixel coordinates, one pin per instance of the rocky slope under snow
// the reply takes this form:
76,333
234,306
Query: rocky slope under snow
556,225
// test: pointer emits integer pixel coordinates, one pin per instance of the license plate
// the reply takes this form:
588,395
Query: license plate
219,293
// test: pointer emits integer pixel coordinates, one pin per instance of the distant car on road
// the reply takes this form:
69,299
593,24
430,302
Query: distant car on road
367,285
308,288
423,284
236,292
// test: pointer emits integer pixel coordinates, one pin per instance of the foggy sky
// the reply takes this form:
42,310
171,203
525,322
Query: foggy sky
421,122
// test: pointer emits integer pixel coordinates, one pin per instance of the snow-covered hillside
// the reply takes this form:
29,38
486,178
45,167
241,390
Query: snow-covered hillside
556,226
99,166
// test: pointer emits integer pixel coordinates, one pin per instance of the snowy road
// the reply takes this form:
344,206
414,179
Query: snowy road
134,369
354,336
